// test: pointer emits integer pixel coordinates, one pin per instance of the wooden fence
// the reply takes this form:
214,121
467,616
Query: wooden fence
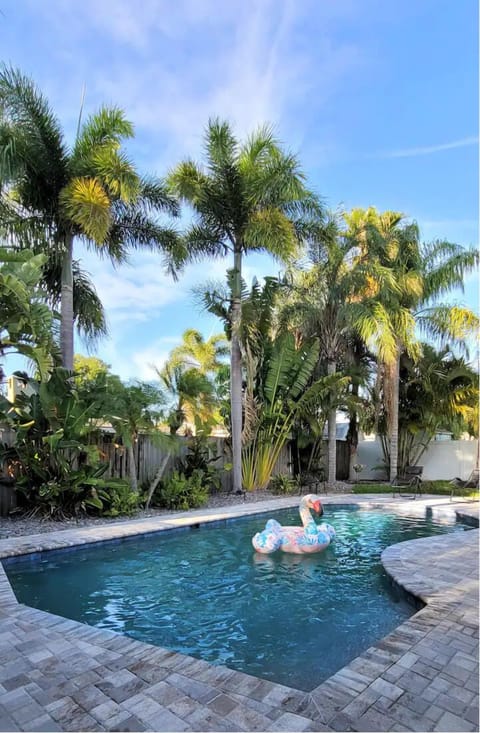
149,457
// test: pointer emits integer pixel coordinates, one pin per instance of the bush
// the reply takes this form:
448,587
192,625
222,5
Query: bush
85,492
121,498
198,460
283,484
179,492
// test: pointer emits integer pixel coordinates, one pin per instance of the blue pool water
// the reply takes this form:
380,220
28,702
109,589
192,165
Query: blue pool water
205,592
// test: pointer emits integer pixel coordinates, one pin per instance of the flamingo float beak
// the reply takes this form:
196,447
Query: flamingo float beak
317,506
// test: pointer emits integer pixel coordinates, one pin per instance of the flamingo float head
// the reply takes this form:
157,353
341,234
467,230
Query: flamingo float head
314,502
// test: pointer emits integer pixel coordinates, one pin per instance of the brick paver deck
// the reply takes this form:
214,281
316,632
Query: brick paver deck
57,674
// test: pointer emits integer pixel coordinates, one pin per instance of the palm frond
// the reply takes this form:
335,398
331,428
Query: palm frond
154,197
448,323
268,229
103,129
220,146
116,172
256,150
202,240
85,203
31,141
132,229
186,181
89,314
443,275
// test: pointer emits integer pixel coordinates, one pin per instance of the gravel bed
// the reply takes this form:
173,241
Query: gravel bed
18,525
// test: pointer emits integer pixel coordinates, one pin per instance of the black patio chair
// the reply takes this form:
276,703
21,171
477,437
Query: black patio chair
311,483
411,479
459,484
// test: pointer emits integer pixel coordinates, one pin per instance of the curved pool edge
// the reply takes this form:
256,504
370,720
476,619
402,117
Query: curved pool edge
409,678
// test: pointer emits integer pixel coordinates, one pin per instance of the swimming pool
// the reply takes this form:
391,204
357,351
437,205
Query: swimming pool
204,592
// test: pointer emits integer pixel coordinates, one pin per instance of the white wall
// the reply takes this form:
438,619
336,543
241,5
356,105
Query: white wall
448,459
442,459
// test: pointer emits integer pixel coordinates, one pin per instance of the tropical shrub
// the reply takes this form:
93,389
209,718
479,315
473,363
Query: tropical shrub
82,491
280,389
283,484
56,469
197,460
120,498
179,492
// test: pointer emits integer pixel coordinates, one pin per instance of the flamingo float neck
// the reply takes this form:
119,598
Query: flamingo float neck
305,508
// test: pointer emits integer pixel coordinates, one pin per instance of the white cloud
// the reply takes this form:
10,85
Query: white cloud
154,355
429,149
172,66
138,293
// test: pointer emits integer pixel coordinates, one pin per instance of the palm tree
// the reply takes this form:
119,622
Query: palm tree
327,302
189,392
90,190
439,391
204,355
248,197
421,273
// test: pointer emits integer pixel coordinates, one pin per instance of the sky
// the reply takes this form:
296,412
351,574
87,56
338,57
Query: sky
379,99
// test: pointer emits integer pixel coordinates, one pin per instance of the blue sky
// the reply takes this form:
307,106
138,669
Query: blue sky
379,99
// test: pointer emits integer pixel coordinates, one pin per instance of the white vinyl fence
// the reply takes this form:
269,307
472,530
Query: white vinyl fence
443,460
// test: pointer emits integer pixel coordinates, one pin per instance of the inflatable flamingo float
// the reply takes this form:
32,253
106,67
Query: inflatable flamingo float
312,537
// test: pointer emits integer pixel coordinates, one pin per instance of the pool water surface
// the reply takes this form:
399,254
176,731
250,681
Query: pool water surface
203,591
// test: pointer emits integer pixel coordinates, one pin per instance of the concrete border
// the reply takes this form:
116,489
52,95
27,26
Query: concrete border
59,674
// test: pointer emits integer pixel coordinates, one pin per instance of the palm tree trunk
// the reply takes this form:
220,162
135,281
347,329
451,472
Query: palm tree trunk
332,435
66,305
392,375
132,469
352,439
236,373
157,479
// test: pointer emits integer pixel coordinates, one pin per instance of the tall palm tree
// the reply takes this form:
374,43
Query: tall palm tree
422,273
89,190
247,197
327,302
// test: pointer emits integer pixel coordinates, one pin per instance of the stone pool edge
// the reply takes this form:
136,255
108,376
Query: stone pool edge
373,689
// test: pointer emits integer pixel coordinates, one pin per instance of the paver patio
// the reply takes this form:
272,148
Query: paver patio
57,674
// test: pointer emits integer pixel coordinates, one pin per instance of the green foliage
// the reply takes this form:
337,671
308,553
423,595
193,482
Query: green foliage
283,484
203,354
437,391
26,321
179,492
197,461
247,197
120,499
189,393
55,467
280,390
80,491
88,369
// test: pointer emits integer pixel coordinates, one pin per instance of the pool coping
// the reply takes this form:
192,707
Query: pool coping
374,689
